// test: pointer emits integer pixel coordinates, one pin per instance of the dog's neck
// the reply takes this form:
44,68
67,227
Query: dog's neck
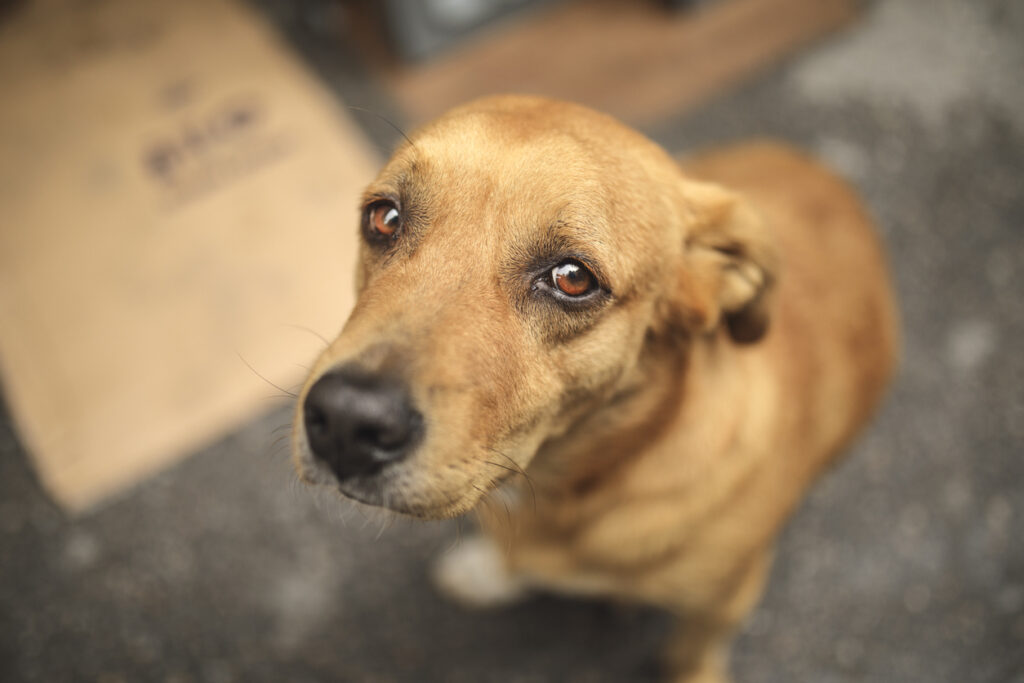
649,408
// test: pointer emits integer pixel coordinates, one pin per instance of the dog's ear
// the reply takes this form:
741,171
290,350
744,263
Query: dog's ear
728,266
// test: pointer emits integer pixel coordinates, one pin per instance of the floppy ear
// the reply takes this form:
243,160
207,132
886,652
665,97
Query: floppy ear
728,266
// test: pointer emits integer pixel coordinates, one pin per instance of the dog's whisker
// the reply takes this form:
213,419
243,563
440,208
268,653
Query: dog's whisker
342,509
387,516
385,120
504,467
361,511
338,506
311,331
496,496
294,486
516,466
508,514
385,524
518,470
257,373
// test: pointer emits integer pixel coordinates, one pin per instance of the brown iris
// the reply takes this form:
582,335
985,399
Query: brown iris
385,219
572,278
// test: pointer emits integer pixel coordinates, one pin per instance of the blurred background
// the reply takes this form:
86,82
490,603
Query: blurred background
177,197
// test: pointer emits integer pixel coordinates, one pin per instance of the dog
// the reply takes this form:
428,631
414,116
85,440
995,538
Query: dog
646,365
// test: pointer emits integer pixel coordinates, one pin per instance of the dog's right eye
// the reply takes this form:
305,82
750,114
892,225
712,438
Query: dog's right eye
383,220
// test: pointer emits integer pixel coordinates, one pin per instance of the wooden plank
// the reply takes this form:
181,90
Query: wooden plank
631,59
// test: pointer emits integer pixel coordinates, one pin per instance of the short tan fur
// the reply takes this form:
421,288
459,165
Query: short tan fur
745,332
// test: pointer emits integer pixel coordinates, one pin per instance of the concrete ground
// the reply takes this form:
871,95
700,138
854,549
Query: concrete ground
905,564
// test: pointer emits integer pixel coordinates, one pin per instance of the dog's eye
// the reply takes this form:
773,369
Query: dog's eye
384,219
572,278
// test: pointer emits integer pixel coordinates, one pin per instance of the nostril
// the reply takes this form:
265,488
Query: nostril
381,437
315,419
391,432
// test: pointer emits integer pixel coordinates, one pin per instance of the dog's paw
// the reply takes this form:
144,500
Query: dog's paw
474,574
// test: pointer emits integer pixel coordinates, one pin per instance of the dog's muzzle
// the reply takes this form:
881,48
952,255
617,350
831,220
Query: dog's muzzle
357,422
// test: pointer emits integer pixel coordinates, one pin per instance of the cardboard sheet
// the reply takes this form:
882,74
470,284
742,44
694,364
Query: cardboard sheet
177,194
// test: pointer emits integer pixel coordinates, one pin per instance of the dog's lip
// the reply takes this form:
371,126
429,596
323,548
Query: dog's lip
375,498
374,492
365,495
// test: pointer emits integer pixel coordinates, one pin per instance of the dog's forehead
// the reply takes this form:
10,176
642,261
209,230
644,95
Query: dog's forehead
482,155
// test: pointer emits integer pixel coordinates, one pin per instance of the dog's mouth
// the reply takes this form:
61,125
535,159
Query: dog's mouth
409,487
406,498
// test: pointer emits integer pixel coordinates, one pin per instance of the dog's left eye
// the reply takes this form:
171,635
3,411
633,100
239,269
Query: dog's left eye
573,279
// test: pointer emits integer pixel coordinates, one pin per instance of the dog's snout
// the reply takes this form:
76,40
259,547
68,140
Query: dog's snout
358,422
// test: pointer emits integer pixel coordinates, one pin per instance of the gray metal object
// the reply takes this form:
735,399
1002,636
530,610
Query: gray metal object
421,28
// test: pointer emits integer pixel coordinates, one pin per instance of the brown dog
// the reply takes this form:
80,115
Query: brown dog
648,369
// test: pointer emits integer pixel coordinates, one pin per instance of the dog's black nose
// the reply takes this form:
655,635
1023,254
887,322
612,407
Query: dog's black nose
357,422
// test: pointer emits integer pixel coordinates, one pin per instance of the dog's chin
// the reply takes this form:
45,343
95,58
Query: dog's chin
379,496
380,492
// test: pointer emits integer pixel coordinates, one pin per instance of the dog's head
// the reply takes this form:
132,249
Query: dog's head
519,256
